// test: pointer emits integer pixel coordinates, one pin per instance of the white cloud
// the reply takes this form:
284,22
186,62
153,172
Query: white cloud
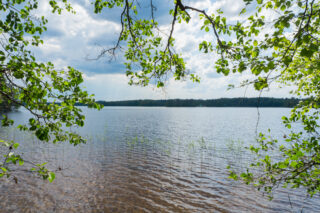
77,35
77,32
113,87
51,46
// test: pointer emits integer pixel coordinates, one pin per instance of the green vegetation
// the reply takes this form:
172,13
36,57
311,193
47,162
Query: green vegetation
277,42
6,105
222,102
235,145
30,84
282,47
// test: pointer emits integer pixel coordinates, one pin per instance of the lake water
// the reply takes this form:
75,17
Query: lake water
141,159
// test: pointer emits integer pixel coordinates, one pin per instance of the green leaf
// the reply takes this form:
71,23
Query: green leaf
51,177
293,164
306,52
243,11
15,145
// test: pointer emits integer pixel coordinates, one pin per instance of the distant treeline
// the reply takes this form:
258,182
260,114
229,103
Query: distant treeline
222,102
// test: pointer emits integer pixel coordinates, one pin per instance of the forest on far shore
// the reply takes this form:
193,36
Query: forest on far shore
221,102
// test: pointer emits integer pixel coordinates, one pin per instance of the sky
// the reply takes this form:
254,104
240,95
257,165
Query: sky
72,39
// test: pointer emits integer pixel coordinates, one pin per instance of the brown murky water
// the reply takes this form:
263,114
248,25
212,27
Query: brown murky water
149,160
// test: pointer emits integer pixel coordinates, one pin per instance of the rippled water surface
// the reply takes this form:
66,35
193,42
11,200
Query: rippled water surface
150,160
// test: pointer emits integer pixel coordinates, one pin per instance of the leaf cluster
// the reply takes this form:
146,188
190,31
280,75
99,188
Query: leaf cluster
282,47
31,84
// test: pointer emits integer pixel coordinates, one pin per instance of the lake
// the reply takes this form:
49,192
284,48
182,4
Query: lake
140,159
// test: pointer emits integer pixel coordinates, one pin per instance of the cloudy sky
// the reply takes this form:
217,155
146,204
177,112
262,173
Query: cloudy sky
72,38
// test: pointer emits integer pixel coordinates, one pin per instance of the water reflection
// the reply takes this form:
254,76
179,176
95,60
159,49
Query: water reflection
149,160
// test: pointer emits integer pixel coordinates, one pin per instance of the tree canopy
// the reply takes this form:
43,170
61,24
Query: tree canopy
282,48
278,42
31,84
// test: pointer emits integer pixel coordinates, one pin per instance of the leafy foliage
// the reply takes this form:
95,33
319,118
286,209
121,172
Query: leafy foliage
291,55
282,46
284,49
149,56
31,84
